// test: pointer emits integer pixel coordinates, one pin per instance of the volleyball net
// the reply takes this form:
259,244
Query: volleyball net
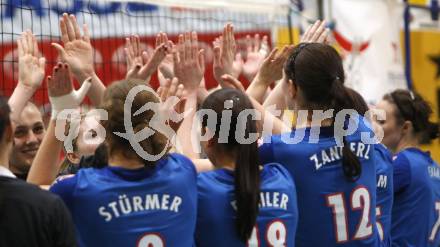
110,22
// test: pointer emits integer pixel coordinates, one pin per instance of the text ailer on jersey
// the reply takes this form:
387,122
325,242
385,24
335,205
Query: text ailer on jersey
334,153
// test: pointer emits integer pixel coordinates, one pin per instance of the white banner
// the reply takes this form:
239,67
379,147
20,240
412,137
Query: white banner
368,33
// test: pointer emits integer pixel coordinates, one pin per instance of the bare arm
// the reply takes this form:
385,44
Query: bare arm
45,166
30,73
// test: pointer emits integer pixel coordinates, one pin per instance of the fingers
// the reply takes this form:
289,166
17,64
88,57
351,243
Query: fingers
180,47
271,56
137,50
194,46
76,29
63,29
86,36
35,46
42,62
173,87
319,30
217,56
82,91
248,44
69,27
187,47
30,43
324,36
201,60
312,30
306,34
257,43
60,50
20,47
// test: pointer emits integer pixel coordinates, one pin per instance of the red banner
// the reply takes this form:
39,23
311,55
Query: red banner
109,60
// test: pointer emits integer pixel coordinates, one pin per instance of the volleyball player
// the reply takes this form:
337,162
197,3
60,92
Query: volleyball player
242,202
335,185
384,174
416,208
132,201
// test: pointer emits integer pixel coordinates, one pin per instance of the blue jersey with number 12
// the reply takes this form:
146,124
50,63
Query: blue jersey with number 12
332,209
151,207
276,221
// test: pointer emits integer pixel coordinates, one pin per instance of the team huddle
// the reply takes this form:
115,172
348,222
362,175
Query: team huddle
217,167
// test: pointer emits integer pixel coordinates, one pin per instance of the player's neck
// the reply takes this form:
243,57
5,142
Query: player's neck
118,160
4,160
407,143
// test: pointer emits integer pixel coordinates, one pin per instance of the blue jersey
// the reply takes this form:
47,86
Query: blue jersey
416,208
384,193
113,206
332,210
276,221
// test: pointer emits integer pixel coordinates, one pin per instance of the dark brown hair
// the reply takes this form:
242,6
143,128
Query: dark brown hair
247,170
317,70
410,106
4,116
113,102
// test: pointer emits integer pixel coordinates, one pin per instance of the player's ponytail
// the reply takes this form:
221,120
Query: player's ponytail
316,70
342,99
247,184
247,164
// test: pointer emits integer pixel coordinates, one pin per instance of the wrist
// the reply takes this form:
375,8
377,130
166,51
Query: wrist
26,89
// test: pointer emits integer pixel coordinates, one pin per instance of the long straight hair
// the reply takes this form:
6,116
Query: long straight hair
317,70
247,163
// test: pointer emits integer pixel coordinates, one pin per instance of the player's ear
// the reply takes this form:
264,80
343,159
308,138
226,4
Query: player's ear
407,128
73,158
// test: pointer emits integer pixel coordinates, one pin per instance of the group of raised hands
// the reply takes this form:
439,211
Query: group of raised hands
183,61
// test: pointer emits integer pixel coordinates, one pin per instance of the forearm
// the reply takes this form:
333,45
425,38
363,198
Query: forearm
19,99
185,133
257,89
276,97
45,166
269,123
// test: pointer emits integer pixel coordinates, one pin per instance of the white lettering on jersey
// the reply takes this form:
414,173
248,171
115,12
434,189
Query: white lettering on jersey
270,200
324,157
126,205
382,181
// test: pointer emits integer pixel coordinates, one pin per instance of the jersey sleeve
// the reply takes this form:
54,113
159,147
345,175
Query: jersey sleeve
401,173
185,162
64,187
265,151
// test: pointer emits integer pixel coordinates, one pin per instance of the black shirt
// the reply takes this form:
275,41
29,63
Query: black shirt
30,216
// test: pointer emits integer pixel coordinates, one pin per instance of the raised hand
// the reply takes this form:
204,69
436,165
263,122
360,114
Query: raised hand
189,61
272,68
166,68
316,33
61,93
224,53
30,63
77,51
140,65
172,108
257,50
